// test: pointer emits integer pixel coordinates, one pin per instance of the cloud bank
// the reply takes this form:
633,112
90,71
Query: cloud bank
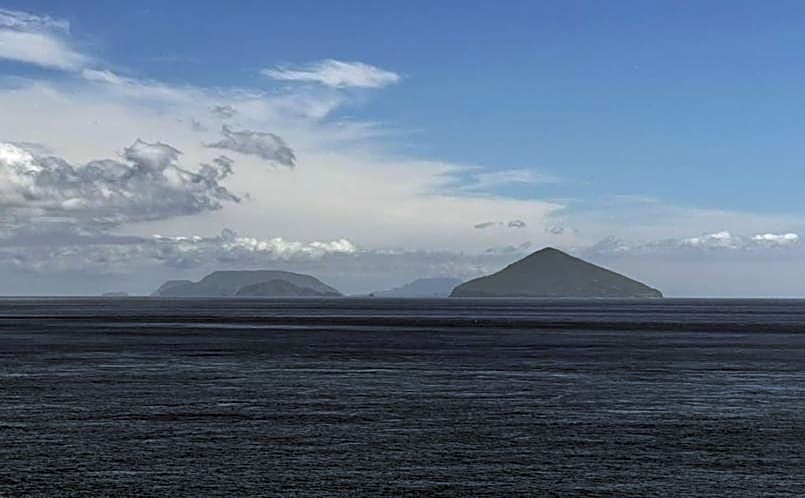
717,242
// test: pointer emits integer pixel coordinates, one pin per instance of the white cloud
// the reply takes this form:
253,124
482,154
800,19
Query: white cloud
230,246
336,74
41,41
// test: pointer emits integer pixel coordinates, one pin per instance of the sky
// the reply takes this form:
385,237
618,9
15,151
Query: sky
370,144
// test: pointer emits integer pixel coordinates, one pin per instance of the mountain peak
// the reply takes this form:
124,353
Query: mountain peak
547,251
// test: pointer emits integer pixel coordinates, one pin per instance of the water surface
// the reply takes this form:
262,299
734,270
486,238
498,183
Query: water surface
370,397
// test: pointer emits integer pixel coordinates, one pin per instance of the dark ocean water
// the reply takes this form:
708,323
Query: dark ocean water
392,397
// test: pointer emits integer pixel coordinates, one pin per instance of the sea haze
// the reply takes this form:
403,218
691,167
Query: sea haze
194,397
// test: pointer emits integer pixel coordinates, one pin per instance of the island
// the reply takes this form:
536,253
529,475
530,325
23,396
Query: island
422,287
551,273
242,283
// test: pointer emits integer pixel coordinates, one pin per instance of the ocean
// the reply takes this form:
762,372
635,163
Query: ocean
373,397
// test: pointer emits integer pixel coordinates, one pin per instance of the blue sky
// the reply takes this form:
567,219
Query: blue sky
606,128
693,102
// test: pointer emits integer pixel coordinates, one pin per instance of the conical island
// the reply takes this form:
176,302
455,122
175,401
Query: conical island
553,273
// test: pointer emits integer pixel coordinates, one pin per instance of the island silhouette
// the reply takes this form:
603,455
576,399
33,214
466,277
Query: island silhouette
550,272
547,273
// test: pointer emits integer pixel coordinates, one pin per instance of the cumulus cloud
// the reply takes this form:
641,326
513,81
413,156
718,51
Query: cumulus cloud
38,40
146,183
336,74
267,146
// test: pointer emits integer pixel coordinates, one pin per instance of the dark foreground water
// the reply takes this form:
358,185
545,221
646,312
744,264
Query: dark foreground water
371,397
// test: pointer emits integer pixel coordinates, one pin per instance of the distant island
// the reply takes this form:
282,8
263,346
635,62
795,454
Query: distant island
115,294
258,283
546,273
553,273
422,287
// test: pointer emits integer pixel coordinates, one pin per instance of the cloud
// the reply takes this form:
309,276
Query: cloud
223,111
335,74
75,251
507,224
773,239
145,184
229,247
481,181
267,146
102,76
38,40
139,89
716,242
643,220
409,205
10,19
559,229
520,249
